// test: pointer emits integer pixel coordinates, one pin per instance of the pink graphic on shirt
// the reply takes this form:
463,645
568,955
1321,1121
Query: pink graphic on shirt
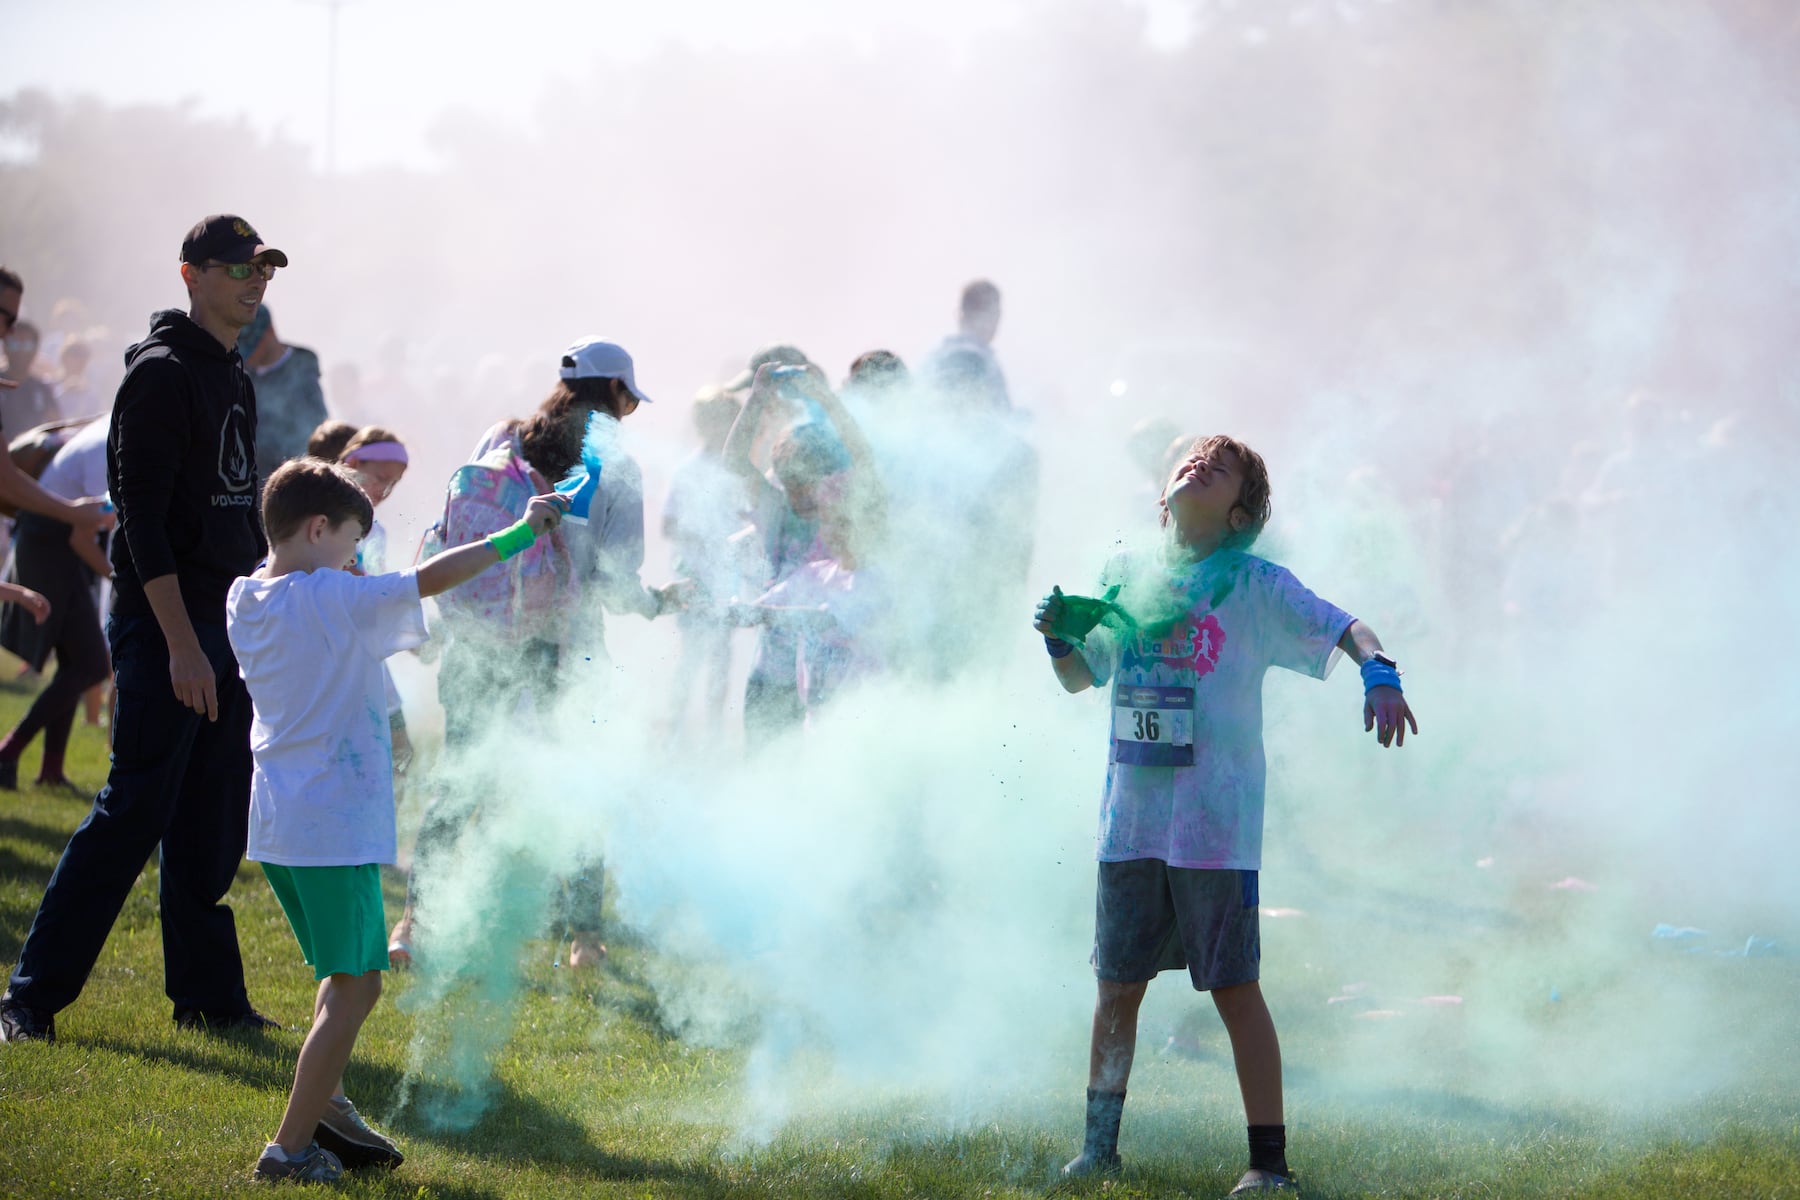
1197,646
1209,640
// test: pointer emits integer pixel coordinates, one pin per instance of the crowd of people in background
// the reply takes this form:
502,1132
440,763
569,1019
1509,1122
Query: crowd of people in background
879,526
220,459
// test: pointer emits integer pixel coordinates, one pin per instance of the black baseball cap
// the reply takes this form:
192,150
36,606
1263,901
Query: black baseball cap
227,239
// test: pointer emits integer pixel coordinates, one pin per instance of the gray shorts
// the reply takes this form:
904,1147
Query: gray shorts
1151,917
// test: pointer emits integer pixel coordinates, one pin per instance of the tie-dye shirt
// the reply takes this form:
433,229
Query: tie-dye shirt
1193,671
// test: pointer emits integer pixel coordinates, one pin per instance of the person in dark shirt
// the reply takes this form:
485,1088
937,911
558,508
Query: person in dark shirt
17,488
181,468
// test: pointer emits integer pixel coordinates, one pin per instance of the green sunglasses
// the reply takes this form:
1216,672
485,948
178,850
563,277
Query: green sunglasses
243,270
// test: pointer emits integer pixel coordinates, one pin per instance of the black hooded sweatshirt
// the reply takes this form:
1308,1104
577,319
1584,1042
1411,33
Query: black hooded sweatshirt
181,467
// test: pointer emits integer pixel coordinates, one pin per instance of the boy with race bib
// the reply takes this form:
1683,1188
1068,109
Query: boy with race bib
1184,634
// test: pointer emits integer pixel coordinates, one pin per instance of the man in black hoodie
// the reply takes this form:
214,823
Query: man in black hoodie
180,463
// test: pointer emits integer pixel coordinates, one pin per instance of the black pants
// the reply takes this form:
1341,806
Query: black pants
178,779
44,562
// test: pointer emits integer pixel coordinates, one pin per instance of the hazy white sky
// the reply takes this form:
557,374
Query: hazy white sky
401,62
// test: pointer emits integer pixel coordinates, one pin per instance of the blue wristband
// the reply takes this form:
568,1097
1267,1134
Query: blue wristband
1379,674
1057,647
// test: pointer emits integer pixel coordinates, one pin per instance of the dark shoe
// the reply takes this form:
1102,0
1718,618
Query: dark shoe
1254,1181
343,1132
21,1024
1100,1144
312,1165
9,774
194,1018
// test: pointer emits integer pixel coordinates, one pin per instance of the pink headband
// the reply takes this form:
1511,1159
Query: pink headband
392,452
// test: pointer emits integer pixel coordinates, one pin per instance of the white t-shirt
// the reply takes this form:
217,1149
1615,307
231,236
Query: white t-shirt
79,468
1185,774
310,647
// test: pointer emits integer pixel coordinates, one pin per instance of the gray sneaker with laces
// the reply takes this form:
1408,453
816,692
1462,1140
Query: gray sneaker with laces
311,1165
343,1132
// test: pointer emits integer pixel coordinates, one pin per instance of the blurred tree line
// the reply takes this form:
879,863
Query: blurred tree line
1368,181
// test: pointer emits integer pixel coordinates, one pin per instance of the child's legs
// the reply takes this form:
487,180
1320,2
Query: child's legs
344,1003
1114,1043
336,915
1222,940
1135,936
1254,1048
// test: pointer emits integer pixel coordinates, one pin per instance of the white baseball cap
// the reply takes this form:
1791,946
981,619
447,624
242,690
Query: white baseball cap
597,358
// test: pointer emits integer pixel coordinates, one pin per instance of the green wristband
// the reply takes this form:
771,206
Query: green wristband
512,540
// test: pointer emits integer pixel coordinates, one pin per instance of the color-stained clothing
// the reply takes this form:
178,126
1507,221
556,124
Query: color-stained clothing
321,793
531,594
835,614
609,550
1185,774
290,405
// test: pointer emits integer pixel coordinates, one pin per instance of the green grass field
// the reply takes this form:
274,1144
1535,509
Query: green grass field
592,1097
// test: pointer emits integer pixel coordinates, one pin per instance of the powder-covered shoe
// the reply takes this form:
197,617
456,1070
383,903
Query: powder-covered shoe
1085,1165
1254,1181
1100,1141
311,1165
343,1131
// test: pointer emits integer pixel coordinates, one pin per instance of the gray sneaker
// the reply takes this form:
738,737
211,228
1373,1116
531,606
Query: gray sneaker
311,1165
343,1132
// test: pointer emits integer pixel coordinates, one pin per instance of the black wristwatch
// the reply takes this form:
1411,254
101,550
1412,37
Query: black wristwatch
1386,660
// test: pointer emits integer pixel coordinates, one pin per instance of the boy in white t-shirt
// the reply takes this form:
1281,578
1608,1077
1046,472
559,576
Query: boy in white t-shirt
310,638
1197,624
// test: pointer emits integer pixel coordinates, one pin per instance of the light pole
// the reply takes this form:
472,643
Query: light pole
331,73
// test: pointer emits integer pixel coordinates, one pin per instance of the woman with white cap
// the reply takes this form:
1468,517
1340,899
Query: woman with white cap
508,627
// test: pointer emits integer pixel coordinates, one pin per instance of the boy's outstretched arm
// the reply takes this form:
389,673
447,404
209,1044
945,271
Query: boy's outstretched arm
1384,707
1072,670
441,572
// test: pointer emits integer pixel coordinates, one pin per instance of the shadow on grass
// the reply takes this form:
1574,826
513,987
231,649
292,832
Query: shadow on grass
518,1128
51,835
255,1060
515,1127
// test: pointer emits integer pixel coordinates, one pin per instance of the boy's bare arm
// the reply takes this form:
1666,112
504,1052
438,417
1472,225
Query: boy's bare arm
1385,709
735,453
441,572
1072,670
17,488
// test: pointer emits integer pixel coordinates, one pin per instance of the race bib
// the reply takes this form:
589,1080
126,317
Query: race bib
1153,726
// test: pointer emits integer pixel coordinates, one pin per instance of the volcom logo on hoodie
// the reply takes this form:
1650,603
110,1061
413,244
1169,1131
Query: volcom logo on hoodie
237,465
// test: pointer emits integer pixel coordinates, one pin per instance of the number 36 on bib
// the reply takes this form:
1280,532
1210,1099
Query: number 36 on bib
1153,726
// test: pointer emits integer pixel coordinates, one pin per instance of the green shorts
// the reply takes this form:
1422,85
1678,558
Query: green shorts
336,915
